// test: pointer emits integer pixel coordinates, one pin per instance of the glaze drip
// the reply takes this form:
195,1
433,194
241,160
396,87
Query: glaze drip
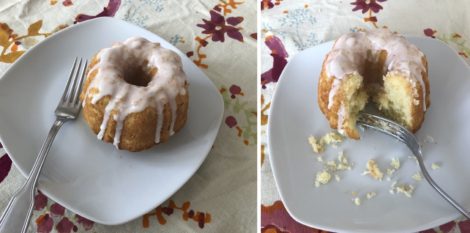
167,81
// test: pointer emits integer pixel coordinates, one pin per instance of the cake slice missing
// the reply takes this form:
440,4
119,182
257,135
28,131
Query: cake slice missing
378,65
355,99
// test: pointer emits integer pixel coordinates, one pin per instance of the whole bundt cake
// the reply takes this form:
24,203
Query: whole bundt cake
378,65
135,94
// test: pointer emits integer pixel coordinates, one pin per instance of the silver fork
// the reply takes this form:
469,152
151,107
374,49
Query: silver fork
402,134
18,211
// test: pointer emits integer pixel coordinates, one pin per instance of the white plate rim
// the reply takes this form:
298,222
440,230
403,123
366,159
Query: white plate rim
276,95
151,207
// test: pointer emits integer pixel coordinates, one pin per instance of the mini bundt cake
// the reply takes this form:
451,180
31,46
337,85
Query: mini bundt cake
377,65
135,94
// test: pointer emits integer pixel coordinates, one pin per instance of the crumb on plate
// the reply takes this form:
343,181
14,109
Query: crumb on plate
429,139
371,195
357,201
373,170
395,163
331,138
317,146
405,189
417,176
337,178
322,178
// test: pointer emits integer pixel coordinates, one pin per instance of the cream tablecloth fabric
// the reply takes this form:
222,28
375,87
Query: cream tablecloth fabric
290,26
220,36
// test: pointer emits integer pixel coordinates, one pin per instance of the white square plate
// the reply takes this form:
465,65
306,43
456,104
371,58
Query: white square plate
83,174
295,115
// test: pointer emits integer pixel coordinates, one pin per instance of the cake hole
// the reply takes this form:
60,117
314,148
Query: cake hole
139,75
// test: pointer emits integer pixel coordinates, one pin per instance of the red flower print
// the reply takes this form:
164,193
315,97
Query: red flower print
266,4
200,217
40,201
429,231
279,54
274,218
65,226
366,5
445,228
57,210
272,228
218,26
235,90
430,32
5,166
464,226
67,3
86,224
167,210
110,10
44,224
231,121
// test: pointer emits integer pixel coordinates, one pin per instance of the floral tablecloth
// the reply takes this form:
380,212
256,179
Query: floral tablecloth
290,26
220,37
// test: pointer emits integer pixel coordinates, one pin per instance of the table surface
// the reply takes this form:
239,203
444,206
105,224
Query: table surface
221,196
290,26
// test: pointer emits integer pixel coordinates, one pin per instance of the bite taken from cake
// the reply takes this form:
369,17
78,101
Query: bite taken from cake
135,94
376,66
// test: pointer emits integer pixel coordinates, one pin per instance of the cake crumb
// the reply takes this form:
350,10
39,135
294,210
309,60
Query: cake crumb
390,171
429,139
395,163
435,166
332,138
317,146
373,170
342,158
341,164
320,159
371,195
394,166
405,189
417,176
357,201
392,187
322,178
337,178
344,163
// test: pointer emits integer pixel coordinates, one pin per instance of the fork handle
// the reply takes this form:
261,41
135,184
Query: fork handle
446,196
17,214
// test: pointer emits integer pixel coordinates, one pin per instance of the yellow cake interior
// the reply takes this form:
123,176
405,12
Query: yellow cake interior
392,98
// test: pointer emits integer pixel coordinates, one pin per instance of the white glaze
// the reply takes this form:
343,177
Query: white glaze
168,82
351,51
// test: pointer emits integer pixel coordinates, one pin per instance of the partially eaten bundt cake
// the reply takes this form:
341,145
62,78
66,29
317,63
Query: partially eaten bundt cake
378,65
135,94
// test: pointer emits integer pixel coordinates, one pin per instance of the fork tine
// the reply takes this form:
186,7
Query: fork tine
78,89
64,95
74,84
